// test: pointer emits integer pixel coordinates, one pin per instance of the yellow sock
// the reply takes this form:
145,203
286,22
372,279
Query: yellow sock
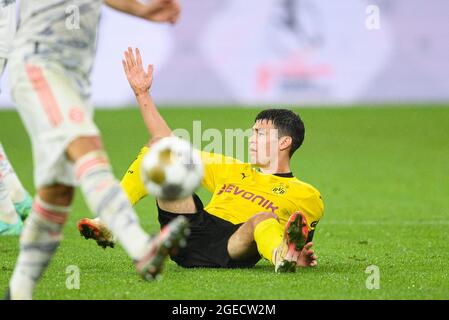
268,236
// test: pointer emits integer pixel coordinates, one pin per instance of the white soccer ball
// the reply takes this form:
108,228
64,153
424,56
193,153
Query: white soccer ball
172,169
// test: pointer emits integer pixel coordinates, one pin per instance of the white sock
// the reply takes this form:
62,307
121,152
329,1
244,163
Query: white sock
8,212
106,198
16,190
39,240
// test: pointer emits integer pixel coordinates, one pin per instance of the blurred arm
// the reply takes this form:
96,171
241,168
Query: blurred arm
155,10
132,7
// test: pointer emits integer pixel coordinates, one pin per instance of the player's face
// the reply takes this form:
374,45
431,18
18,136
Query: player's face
264,144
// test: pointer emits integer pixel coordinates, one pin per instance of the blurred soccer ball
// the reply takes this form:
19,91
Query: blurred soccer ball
172,169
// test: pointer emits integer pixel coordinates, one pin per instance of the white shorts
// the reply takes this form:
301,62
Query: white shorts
2,68
2,65
54,114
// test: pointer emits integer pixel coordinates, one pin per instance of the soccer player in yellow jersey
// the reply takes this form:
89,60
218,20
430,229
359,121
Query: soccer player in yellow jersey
255,211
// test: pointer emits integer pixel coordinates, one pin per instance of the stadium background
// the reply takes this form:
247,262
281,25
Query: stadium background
377,145
281,51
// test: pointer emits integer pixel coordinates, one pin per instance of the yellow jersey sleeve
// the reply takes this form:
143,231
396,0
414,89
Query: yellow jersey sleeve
216,168
132,182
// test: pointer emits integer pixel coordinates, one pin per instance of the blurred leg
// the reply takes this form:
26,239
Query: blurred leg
40,239
104,195
10,222
17,193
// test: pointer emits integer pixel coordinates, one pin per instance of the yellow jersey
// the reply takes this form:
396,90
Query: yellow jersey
241,191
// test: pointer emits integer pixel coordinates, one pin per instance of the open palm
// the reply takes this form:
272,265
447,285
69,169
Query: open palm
139,80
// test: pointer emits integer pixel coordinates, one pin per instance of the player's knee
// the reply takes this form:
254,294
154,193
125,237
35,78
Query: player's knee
57,194
183,206
262,216
83,145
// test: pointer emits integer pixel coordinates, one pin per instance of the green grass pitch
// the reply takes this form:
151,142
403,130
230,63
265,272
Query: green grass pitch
384,176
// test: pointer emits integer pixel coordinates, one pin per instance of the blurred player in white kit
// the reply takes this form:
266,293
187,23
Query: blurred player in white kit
51,61
15,202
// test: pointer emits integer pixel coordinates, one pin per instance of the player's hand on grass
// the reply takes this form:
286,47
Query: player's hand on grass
139,80
307,258
161,11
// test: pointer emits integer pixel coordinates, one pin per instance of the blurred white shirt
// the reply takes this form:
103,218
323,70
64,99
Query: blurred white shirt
64,31
7,26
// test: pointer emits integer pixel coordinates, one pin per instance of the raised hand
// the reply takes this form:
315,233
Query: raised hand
139,80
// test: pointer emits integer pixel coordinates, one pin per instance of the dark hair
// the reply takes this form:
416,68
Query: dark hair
288,123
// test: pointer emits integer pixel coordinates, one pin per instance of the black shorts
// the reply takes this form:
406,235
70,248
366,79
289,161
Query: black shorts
208,241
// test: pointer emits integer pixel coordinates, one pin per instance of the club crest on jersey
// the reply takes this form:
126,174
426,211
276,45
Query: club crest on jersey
280,188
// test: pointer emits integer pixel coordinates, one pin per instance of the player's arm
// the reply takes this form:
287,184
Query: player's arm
140,82
156,10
